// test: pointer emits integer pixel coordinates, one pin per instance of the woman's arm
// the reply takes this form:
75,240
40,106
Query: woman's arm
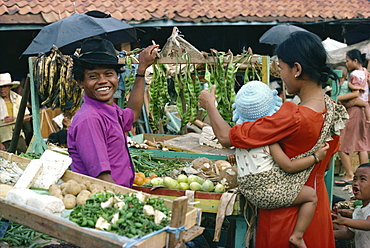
220,127
295,165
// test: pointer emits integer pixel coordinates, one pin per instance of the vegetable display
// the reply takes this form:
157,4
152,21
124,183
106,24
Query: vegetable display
200,175
19,235
145,162
130,215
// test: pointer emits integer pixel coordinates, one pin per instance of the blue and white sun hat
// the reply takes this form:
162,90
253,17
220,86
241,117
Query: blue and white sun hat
254,100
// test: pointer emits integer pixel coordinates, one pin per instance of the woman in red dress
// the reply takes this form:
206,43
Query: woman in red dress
302,60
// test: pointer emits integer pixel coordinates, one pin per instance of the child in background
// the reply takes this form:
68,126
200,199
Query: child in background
349,94
359,225
254,100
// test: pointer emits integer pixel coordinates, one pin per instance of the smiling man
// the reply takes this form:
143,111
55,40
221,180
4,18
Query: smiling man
96,138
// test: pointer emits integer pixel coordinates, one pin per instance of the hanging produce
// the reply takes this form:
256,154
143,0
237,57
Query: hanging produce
223,76
54,80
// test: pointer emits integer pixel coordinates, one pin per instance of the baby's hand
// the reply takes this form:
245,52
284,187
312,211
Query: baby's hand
321,152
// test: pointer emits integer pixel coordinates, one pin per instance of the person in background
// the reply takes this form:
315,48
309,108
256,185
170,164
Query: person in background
303,68
355,137
350,94
9,107
257,175
97,142
358,226
61,124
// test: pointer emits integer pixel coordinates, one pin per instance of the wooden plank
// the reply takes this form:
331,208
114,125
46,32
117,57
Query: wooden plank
54,227
192,233
190,143
209,60
157,241
14,158
179,208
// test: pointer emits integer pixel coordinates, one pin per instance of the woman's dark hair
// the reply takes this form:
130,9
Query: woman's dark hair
356,54
79,68
306,49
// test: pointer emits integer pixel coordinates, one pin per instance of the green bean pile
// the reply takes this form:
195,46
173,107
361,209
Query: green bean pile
19,235
145,162
30,155
132,221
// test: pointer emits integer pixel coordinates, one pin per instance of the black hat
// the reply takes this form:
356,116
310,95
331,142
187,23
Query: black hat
98,51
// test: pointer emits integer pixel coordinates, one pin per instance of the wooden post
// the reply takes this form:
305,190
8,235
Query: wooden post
179,208
20,117
266,69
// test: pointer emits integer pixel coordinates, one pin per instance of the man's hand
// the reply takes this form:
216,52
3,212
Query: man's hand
8,119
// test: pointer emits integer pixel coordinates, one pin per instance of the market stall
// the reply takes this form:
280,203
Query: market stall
183,224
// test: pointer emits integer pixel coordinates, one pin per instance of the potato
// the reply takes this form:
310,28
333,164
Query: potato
95,186
82,197
52,187
63,186
71,181
69,201
56,191
83,186
96,190
64,191
86,182
59,196
73,188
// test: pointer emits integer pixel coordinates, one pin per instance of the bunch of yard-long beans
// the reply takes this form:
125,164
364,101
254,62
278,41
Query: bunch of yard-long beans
187,89
224,78
19,235
144,161
159,96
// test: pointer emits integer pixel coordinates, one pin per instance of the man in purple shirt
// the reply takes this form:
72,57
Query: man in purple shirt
96,138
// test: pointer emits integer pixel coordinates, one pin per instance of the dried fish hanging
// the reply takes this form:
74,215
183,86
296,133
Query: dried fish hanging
54,80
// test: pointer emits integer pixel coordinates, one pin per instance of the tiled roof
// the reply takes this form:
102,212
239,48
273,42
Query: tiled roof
48,11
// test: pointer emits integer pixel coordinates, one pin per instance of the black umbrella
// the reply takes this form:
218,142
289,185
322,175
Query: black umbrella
279,33
68,32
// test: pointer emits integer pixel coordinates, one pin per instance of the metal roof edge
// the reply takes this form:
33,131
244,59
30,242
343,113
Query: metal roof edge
21,27
169,23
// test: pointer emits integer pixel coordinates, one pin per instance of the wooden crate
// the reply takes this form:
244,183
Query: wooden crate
70,232
14,158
